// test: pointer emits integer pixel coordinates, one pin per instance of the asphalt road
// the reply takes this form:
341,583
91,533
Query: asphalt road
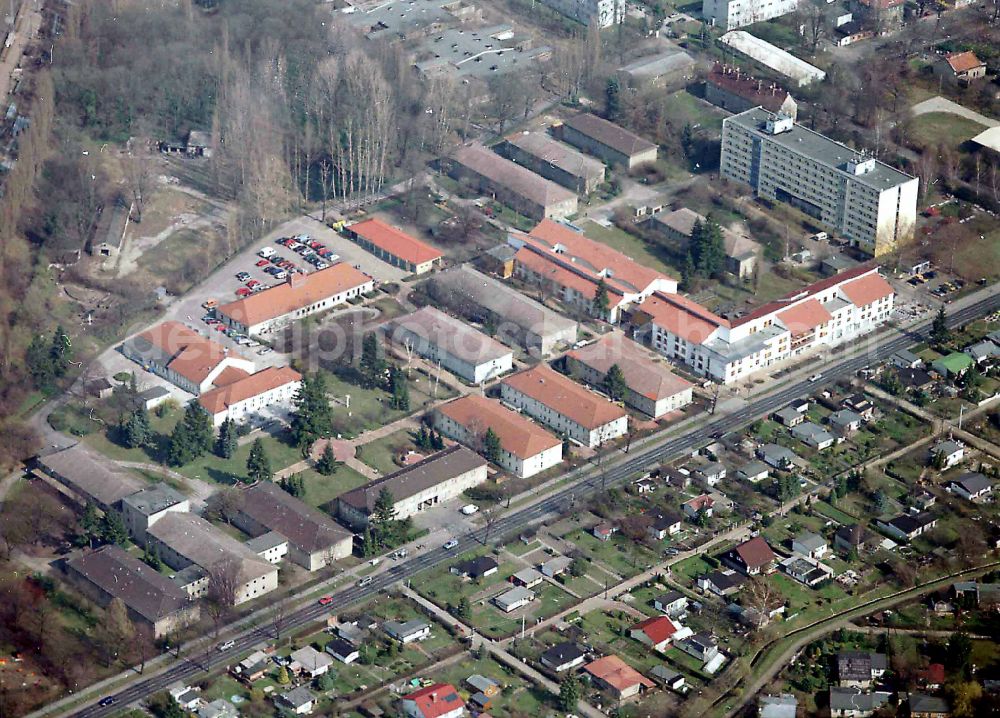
189,668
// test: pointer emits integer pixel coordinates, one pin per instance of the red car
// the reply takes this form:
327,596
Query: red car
220,327
326,601
316,245
262,263
252,283
243,292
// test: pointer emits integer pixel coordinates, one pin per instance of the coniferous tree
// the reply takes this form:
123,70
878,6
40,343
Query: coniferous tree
492,449
400,389
327,463
312,417
614,383
258,463
228,441
60,352
113,528
137,431
192,437
372,362
602,302
940,334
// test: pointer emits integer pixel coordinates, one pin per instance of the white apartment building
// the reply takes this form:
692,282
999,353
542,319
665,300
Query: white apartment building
443,339
251,394
604,12
861,199
832,311
565,406
440,477
525,448
297,298
731,14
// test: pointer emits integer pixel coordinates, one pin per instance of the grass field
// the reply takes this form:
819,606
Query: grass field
943,128
321,490
647,255
381,453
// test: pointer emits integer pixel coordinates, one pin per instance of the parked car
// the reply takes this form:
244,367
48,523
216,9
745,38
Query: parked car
243,292
281,274
469,509
266,252
262,263
253,283
209,304
242,276
321,265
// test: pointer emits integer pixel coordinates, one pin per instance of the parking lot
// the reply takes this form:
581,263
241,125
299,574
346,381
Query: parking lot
222,287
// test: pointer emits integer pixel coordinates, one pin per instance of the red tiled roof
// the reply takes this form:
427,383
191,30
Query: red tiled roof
518,435
395,241
933,674
436,700
562,394
682,317
616,673
194,356
554,271
658,629
804,317
805,292
593,256
299,292
755,552
867,289
700,502
230,375
251,385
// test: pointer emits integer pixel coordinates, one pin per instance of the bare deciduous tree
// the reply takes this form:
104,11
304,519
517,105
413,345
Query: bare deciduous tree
137,169
224,579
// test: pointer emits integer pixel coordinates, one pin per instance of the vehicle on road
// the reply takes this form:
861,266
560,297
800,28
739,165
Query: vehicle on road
451,544
326,600
469,509
815,377
226,646
366,581
106,701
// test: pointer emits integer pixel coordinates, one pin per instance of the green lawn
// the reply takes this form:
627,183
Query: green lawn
648,255
518,697
381,453
683,108
208,467
690,568
621,555
321,490
935,128
832,512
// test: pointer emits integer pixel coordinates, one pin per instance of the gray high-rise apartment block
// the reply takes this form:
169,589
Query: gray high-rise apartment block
867,202
604,12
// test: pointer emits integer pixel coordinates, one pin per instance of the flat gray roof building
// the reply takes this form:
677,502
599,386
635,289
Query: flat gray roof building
480,52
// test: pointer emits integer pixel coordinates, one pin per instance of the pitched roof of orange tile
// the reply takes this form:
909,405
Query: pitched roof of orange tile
218,400
682,317
230,375
288,297
193,356
518,435
562,394
644,373
804,317
395,241
592,256
617,673
963,61
867,289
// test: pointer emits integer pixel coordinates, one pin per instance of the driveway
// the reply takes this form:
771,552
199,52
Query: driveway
943,104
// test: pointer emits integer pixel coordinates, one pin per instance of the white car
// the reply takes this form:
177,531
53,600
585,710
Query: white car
451,544
469,509
815,377
266,253
227,645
